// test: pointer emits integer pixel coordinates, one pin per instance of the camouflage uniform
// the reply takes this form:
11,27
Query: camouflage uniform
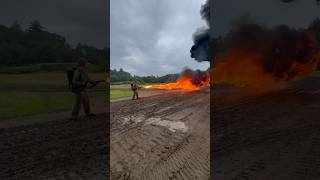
80,81
134,89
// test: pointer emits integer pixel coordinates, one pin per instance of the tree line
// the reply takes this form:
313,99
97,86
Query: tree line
33,45
121,76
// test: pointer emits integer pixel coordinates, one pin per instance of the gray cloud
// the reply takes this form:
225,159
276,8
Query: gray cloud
153,36
81,21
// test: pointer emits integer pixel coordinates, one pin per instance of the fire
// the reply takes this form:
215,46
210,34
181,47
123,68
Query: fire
265,69
187,82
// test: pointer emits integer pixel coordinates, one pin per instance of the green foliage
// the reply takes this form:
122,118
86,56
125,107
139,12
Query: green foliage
35,26
122,77
35,45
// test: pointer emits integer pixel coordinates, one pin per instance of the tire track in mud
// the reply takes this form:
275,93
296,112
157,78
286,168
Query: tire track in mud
154,152
265,162
308,166
272,136
190,160
58,149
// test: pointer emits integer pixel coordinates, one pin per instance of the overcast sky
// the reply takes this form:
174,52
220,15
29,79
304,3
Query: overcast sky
154,36
83,21
299,13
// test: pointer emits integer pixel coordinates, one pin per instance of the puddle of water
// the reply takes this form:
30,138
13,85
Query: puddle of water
171,125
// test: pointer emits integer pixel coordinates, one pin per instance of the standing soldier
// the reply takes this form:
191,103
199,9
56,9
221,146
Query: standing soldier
80,82
134,89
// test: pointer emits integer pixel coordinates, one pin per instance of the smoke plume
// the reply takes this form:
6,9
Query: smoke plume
255,55
200,51
198,78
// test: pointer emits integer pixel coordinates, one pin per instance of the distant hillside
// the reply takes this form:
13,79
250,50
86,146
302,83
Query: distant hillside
48,67
34,45
121,76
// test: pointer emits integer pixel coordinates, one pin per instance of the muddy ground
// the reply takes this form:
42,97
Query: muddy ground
161,137
59,149
270,136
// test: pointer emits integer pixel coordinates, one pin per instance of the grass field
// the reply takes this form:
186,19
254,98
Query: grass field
120,91
36,93
15,104
40,81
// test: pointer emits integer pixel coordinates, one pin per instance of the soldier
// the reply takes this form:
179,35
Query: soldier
79,82
134,89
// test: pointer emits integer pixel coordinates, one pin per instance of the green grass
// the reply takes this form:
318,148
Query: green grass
40,81
15,104
119,93
36,93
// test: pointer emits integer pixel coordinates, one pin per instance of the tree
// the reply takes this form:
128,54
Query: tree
35,26
315,27
33,46
15,27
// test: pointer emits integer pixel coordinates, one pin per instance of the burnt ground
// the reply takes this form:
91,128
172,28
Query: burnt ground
161,137
274,135
59,149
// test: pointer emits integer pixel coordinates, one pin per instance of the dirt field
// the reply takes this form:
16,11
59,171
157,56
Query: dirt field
60,149
275,135
161,137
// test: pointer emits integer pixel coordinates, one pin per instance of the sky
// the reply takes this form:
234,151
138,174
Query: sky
80,21
297,14
154,37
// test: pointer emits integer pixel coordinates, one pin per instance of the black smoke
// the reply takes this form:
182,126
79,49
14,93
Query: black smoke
200,51
198,77
281,47
205,12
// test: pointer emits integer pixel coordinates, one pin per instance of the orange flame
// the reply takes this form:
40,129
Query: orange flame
245,68
184,83
244,73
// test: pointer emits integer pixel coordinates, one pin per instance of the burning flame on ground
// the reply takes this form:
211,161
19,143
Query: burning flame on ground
185,82
257,70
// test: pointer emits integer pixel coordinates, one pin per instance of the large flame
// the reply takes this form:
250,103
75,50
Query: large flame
185,82
262,70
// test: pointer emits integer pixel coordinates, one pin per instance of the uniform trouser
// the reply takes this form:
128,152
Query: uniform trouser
135,94
81,98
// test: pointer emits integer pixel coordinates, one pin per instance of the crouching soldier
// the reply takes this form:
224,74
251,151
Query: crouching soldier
134,89
80,82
